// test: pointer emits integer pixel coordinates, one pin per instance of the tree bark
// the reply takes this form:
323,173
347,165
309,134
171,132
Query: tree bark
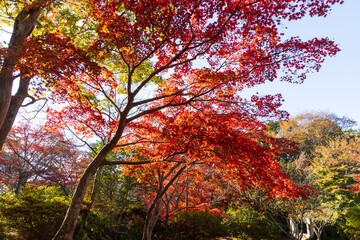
13,108
300,235
309,230
94,193
5,97
151,219
155,209
68,226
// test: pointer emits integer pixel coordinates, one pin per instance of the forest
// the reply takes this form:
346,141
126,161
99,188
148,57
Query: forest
126,119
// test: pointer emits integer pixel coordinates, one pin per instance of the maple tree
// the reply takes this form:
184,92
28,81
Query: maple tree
240,52
139,46
189,144
38,156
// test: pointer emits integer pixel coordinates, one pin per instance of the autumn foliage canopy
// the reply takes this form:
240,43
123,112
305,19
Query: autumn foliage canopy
164,78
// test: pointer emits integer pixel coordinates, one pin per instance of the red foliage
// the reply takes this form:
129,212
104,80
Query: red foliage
232,145
195,116
239,41
38,156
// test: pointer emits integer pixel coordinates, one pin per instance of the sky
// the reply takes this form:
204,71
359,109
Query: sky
336,87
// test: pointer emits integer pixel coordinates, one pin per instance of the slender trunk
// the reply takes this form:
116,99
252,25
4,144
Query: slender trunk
121,213
5,98
23,177
92,199
187,194
151,219
294,228
296,234
13,108
68,226
154,211
318,232
166,221
309,230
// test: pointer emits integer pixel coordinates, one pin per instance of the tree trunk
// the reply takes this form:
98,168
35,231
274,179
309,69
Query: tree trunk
309,230
151,219
319,232
299,235
13,108
5,98
166,220
155,209
23,177
294,228
187,194
68,226
85,215
121,213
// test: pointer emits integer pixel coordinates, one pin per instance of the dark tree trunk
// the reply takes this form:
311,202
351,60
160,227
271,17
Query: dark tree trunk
155,209
151,219
68,226
13,109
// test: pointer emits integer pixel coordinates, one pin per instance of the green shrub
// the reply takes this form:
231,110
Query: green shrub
34,214
246,223
92,227
95,226
194,224
350,225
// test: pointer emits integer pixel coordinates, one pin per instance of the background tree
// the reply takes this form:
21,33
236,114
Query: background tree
311,130
327,160
33,154
24,21
336,165
350,225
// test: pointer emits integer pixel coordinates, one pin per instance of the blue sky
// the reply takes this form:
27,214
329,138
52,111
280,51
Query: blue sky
336,87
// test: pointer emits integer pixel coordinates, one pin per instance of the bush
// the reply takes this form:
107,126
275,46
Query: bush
34,214
350,225
92,227
95,226
246,223
194,224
